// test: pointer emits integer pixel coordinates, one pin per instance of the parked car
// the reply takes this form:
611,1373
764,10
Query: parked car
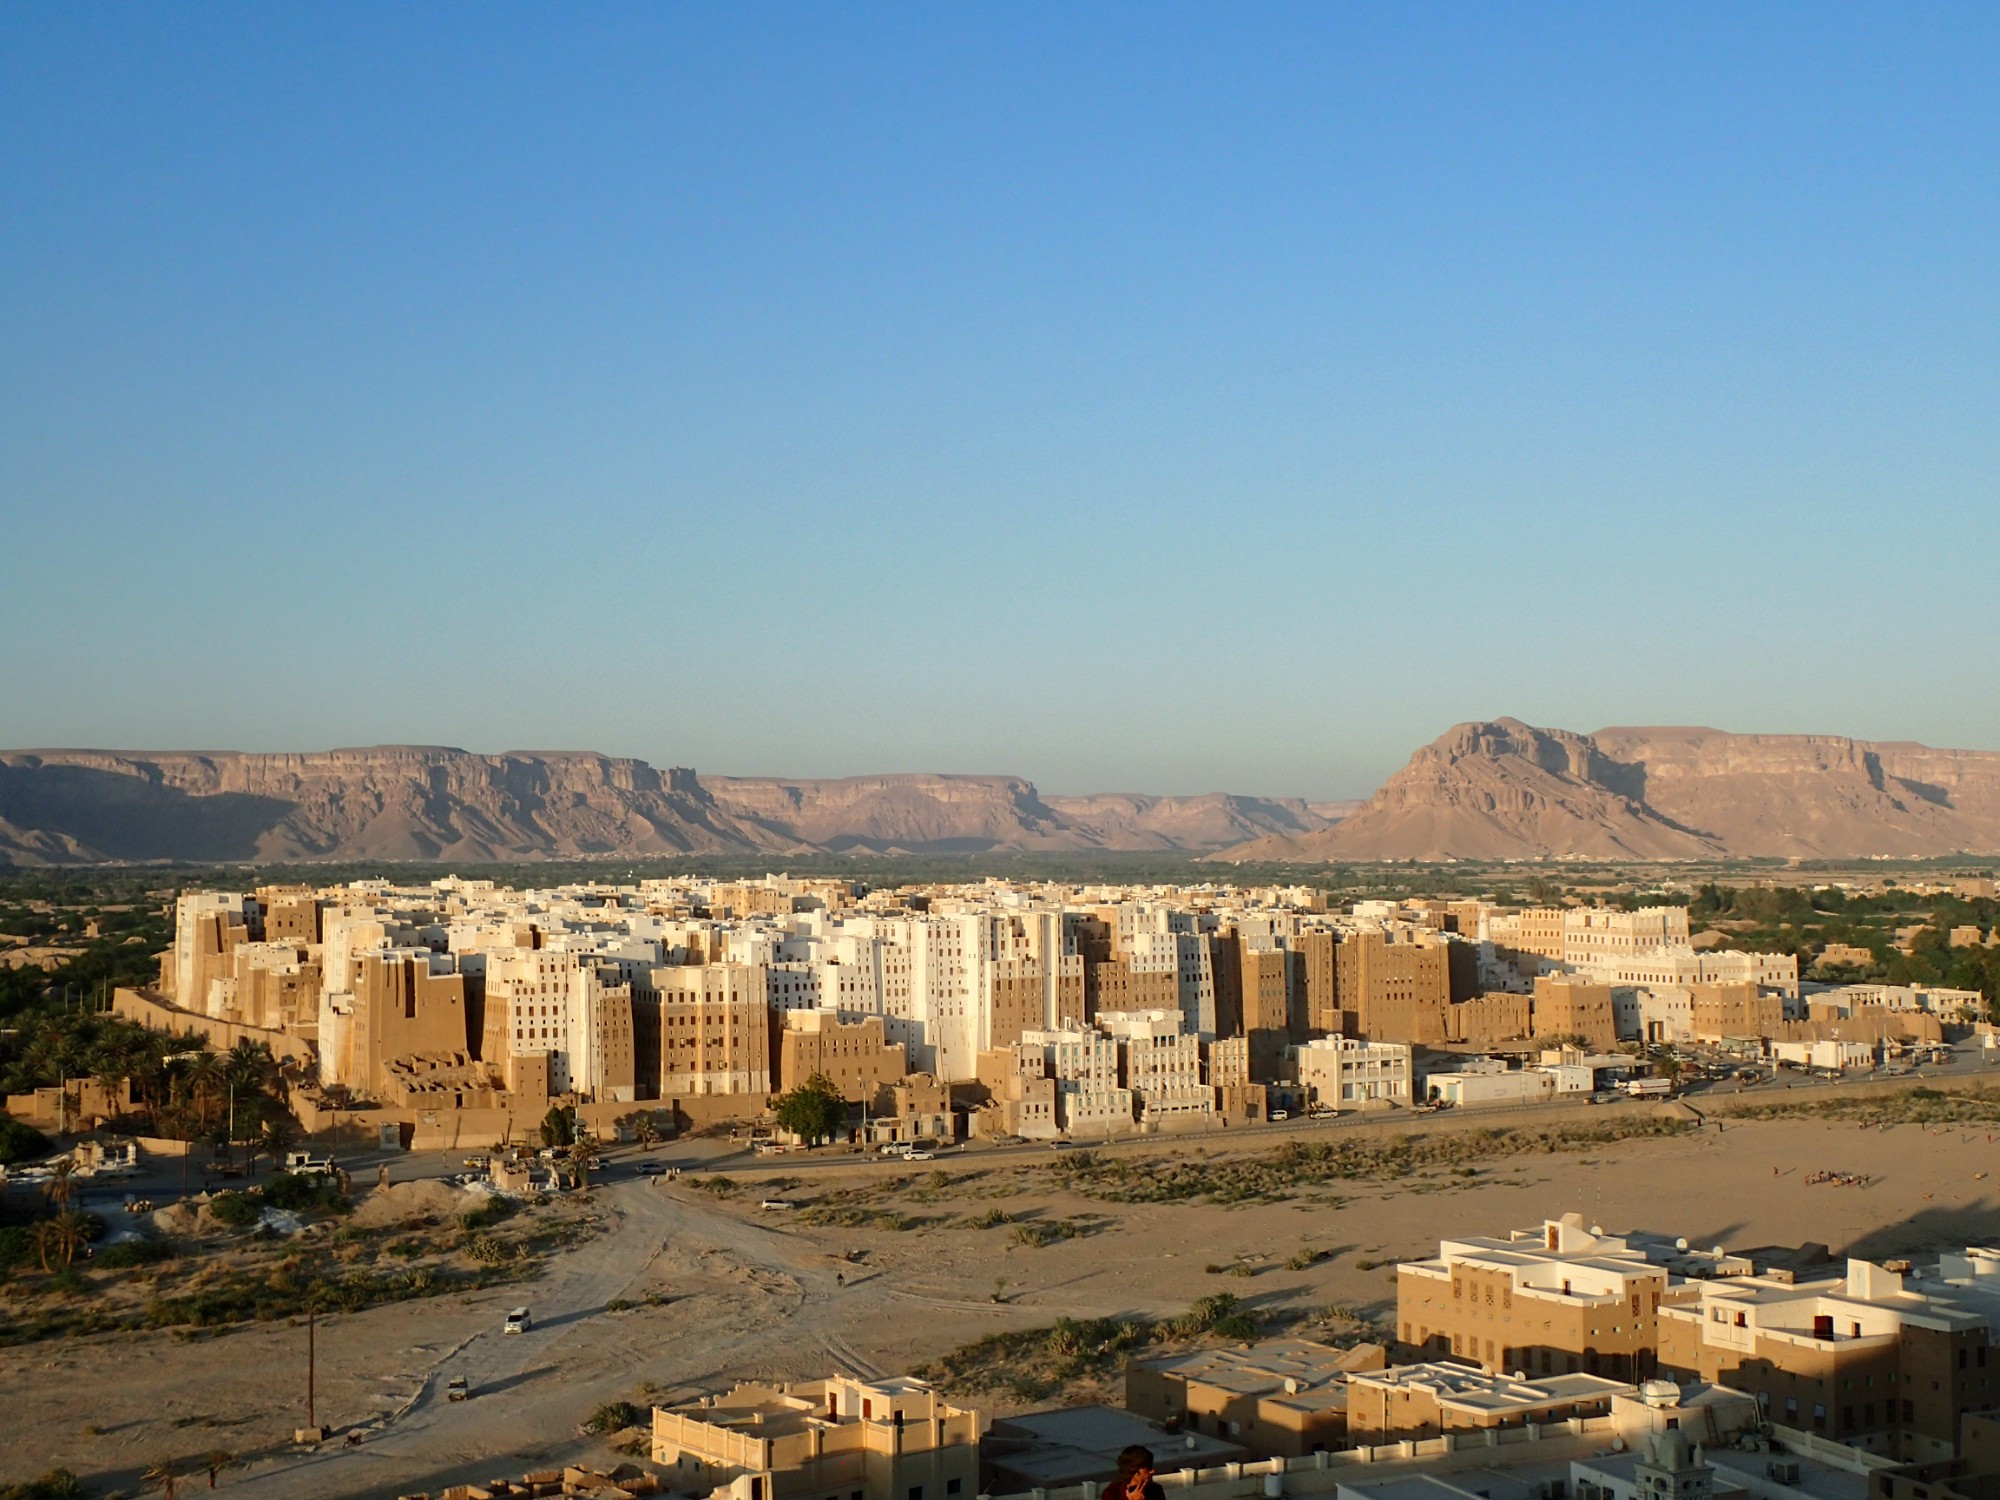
518,1321
652,1169
920,1156
1281,1114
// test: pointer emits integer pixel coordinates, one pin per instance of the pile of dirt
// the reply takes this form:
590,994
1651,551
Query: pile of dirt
412,1200
177,1218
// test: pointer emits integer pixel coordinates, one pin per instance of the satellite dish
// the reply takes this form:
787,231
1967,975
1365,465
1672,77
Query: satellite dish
1681,1244
1597,1229
1720,1252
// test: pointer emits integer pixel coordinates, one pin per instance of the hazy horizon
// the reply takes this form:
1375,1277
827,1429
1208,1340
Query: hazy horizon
1131,399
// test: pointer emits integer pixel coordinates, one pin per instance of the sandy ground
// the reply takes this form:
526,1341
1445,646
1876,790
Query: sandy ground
755,1292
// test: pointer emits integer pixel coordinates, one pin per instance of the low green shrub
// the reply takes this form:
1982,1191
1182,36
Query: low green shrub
237,1210
129,1253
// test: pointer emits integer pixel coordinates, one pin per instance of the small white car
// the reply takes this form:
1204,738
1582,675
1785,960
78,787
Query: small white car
518,1321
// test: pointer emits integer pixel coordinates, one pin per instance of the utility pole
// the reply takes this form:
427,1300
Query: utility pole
312,1365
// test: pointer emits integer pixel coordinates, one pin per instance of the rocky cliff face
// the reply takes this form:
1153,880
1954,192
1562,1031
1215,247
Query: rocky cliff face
1507,790
434,804
388,803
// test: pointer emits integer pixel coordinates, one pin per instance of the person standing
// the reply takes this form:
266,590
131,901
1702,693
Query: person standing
1135,1476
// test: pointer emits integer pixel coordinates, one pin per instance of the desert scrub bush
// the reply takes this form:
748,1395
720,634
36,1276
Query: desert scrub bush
489,1213
1301,1164
1918,1105
489,1250
614,1416
1243,1268
1037,1362
1202,1315
851,1216
1040,1232
722,1187
1305,1260
993,1218
56,1484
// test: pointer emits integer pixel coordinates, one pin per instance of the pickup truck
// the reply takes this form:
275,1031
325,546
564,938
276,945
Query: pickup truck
305,1161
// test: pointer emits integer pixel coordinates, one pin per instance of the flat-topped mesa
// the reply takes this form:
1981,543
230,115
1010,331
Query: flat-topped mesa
431,803
1503,789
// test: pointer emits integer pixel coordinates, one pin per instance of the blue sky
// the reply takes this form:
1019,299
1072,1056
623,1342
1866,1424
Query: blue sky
1153,397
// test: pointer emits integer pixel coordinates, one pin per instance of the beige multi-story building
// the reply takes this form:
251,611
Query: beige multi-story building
1740,1010
1565,1006
1022,1096
852,1055
1557,1299
1319,970
1875,1359
208,925
1277,1398
1537,931
837,1439
706,1031
1159,1063
1413,1402
1593,937
1394,986
1341,1072
1084,1064
272,985
1118,987
398,1003
1486,1019
570,1008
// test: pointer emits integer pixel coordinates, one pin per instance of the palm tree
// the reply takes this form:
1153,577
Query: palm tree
47,1239
216,1460
249,1067
279,1136
164,1478
108,1075
62,1182
646,1132
205,1082
582,1152
72,1235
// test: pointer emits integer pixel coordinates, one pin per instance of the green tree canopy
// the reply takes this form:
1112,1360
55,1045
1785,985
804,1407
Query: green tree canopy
814,1111
559,1126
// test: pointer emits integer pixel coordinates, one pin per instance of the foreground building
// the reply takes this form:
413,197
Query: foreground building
1874,1358
836,1439
1557,1299
1276,1398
